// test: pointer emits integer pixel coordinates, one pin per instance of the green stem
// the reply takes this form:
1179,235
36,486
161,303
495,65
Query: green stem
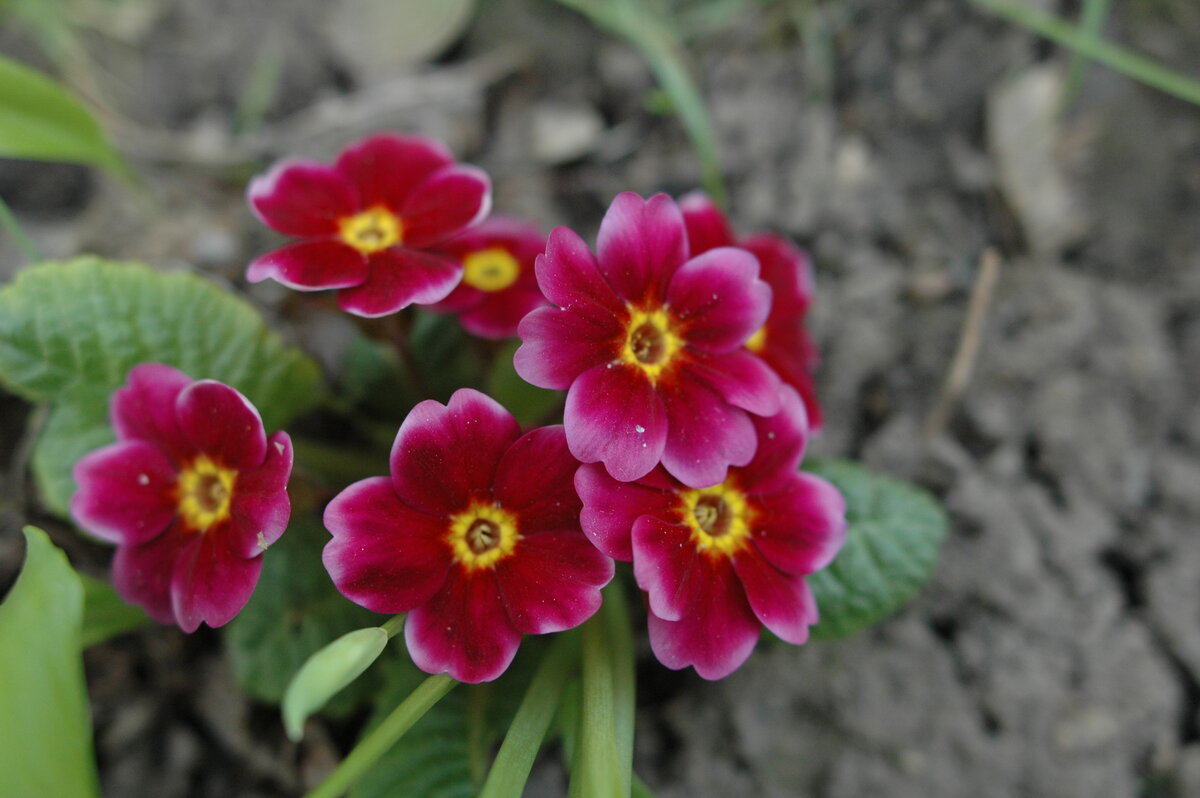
394,625
598,774
511,769
620,645
1127,62
8,221
478,698
640,790
1094,14
377,742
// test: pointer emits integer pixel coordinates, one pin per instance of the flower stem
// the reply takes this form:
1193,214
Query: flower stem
615,612
597,773
377,742
511,769
394,625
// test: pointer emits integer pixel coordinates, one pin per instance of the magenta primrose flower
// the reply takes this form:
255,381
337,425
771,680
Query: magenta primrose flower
370,222
783,342
649,345
718,563
498,286
475,534
193,492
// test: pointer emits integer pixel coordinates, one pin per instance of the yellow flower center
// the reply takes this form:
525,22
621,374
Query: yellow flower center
482,536
372,230
203,492
718,517
650,342
757,342
492,269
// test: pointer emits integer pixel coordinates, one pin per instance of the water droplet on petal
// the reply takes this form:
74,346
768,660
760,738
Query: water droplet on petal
639,428
143,479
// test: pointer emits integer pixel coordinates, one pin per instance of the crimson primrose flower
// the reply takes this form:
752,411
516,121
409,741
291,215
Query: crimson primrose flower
475,534
649,345
370,222
718,563
192,493
498,286
783,342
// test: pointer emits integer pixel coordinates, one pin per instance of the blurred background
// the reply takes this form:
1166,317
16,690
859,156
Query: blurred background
924,151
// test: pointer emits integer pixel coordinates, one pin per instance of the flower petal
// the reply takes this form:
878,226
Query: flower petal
210,583
741,378
447,201
611,507
125,492
570,277
558,345
783,603
715,635
552,581
384,555
801,528
668,566
400,277
640,245
781,441
445,455
719,299
144,409
463,630
311,266
497,316
260,506
302,198
787,269
614,415
707,227
535,480
220,422
142,574
706,434
385,169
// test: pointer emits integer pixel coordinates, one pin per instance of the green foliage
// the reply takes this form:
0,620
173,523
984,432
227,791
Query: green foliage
327,672
70,332
895,531
295,610
39,119
45,728
105,614
528,403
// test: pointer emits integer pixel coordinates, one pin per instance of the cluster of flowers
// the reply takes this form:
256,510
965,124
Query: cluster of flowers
689,401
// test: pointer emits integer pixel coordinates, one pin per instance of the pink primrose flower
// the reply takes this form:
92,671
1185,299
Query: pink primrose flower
193,492
498,286
782,341
719,563
475,534
649,345
369,223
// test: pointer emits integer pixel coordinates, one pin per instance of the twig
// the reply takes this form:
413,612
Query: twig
963,363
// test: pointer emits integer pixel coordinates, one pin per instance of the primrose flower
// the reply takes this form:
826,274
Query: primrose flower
193,492
369,223
649,345
475,534
782,341
720,562
498,286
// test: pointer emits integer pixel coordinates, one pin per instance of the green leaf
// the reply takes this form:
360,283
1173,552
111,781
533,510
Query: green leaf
294,612
70,332
39,119
895,531
105,614
327,672
45,728
528,403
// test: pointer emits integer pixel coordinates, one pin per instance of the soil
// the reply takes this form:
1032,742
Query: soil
1056,650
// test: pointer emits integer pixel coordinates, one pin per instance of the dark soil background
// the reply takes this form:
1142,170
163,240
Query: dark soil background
1056,651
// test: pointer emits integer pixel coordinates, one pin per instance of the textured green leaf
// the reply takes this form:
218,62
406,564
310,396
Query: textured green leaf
39,119
45,728
528,403
895,531
105,614
295,610
71,331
